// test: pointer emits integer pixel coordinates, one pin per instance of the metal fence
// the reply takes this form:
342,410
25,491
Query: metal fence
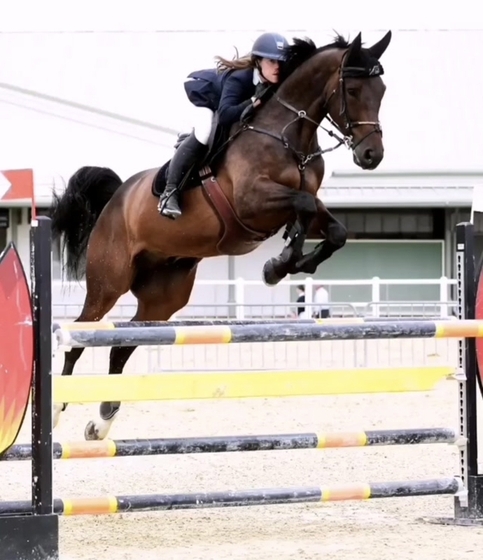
252,299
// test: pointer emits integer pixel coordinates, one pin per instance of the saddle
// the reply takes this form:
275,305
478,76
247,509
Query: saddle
236,239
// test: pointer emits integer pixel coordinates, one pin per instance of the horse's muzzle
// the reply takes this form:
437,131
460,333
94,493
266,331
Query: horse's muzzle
368,157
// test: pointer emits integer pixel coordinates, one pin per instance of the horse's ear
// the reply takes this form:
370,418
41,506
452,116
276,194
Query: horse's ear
377,50
355,46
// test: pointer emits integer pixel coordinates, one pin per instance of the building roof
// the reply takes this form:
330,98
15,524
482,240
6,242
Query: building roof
403,188
341,190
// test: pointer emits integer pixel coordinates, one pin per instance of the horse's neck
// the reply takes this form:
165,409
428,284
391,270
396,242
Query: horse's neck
307,87
306,90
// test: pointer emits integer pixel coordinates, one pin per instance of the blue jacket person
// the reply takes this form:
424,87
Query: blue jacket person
227,89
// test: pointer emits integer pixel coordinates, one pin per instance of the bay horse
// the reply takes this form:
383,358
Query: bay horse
267,179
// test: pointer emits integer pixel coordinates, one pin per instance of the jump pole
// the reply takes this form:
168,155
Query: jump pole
238,498
276,332
222,385
233,444
105,325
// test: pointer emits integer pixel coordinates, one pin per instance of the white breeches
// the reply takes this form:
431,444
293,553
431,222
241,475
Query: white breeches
201,119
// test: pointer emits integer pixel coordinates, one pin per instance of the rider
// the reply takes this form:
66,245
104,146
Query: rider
228,89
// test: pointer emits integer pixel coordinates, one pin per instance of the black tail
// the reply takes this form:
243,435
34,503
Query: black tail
76,211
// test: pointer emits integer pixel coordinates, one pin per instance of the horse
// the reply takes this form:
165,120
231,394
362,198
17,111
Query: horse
266,179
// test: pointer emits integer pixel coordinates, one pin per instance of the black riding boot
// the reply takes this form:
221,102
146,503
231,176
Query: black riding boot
185,156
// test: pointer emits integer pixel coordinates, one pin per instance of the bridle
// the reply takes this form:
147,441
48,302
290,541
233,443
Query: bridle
346,136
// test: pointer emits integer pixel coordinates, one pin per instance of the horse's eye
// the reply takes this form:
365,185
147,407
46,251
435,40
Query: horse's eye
352,91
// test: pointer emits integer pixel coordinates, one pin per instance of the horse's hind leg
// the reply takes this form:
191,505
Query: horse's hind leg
161,290
102,293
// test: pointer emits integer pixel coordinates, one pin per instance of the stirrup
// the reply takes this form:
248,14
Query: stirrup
165,196
171,214
163,202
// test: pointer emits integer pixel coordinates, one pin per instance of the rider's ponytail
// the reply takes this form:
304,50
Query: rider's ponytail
237,63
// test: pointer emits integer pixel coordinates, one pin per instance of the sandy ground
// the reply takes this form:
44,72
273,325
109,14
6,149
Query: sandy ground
380,529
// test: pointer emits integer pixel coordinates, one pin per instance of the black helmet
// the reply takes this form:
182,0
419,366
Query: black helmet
270,45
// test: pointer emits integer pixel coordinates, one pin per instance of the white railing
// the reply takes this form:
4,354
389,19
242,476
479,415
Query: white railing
242,298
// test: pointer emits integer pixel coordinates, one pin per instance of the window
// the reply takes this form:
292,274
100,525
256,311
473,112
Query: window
3,238
386,223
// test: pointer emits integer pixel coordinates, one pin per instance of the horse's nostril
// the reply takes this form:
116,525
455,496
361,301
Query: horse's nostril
368,155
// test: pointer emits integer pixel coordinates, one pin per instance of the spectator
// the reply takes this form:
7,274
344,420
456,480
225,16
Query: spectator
321,303
301,309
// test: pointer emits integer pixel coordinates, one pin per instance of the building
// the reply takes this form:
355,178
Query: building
117,100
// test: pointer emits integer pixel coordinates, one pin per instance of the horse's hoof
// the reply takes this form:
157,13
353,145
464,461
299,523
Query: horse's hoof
98,430
270,276
91,433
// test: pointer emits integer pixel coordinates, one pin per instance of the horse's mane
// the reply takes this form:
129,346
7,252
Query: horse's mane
303,49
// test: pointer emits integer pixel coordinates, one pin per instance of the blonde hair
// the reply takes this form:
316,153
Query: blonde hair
236,63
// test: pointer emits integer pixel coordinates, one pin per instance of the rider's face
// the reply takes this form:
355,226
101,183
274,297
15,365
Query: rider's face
270,69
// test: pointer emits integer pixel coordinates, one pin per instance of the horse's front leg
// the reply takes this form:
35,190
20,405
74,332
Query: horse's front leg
335,235
276,268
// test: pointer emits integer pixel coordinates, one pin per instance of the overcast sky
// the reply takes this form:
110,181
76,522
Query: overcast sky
344,15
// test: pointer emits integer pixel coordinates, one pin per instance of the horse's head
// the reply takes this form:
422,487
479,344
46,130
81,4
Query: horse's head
354,95
340,81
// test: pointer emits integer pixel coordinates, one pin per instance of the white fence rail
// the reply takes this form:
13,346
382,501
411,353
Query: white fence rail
243,299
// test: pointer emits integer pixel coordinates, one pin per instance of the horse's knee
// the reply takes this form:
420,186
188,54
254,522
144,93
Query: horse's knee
337,234
305,203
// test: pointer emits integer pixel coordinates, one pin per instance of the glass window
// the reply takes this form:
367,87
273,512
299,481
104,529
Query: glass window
3,238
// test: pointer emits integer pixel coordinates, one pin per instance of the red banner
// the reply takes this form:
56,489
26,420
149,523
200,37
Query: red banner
16,346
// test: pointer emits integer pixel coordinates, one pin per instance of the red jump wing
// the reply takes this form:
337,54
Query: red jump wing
16,346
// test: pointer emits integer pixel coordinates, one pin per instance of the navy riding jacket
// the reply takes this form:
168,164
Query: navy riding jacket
228,93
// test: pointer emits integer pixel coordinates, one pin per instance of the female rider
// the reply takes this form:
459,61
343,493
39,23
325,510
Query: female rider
227,89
